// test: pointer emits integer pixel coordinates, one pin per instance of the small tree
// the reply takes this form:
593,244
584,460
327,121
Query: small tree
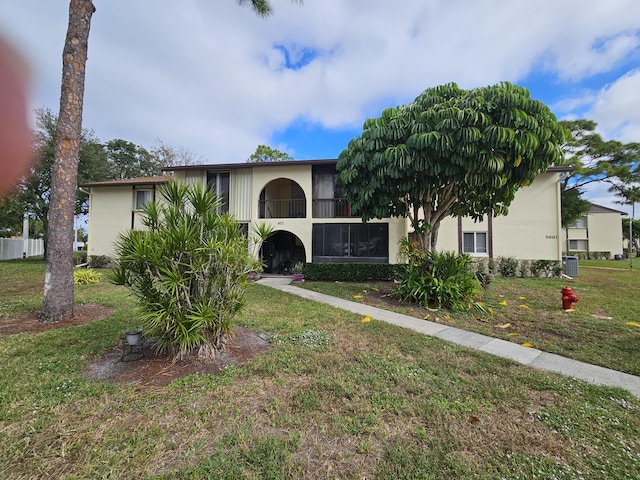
260,233
268,154
634,230
188,270
452,152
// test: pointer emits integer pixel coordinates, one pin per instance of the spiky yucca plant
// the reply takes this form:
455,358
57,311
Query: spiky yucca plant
188,269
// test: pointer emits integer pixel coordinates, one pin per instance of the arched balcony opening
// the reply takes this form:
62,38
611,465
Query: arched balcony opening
281,251
282,198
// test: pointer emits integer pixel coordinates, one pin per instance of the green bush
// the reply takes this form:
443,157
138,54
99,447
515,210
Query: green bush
188,269
507,266
79,257
591,255
523,268
491,266
85,276
546,268
350,272
99,261
437,279
481,264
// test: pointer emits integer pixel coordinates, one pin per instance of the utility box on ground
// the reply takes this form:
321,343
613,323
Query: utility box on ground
570,266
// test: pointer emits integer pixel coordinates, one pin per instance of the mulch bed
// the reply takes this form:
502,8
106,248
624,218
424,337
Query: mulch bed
149,369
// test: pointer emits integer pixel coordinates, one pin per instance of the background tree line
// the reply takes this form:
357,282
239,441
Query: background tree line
115,159
594,159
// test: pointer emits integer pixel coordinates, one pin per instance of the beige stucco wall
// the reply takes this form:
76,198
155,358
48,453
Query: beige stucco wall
603,233
110,210
531,231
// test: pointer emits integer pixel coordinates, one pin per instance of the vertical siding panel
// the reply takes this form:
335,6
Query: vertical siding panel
240,194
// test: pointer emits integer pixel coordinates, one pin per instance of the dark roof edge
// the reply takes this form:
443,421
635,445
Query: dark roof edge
327,161
560,169
235,166
129,181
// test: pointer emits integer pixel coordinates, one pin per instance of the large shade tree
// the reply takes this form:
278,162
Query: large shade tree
451,152
58,287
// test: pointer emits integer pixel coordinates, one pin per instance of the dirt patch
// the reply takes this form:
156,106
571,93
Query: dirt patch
29,322
141,365
123,365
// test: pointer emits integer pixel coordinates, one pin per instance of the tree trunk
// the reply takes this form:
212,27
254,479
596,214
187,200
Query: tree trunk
58,283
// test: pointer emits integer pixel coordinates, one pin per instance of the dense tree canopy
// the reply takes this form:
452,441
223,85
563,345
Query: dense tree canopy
450,152
128,160
33,194
265,153
117,159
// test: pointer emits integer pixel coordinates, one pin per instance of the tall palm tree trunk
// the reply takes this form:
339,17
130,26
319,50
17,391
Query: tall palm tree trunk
58,283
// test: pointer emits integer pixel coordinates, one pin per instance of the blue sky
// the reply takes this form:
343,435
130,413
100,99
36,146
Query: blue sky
217,80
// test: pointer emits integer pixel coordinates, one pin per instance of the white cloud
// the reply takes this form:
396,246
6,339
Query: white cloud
206,75
617,108
598,193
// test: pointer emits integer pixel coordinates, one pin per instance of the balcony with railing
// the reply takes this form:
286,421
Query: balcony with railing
333,208
283,208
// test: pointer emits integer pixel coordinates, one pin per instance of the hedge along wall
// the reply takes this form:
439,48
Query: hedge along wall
350,272
382,272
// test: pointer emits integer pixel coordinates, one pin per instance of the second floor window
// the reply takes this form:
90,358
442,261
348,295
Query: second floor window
329,198
141,197
219,183
580,222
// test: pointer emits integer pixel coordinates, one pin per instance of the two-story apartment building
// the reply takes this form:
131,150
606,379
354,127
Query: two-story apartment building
596,234
313,222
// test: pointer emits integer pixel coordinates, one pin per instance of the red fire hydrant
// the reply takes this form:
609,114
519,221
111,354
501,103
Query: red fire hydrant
568,298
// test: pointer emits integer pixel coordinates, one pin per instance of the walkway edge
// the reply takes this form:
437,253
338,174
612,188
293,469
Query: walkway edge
528,356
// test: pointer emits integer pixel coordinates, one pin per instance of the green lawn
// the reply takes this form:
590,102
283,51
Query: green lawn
623,264
529,310
333,398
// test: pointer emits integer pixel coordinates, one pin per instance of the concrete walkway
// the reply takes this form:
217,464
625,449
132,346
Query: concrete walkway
527,356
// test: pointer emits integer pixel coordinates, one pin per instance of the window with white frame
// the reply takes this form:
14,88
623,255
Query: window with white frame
474,242
141,197
580,245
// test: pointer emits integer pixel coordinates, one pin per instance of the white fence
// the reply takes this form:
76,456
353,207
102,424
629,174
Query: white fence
10,248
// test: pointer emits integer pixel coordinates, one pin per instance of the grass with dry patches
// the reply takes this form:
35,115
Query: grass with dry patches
334,397
599,331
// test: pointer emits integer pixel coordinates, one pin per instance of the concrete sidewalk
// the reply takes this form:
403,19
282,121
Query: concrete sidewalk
527,356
